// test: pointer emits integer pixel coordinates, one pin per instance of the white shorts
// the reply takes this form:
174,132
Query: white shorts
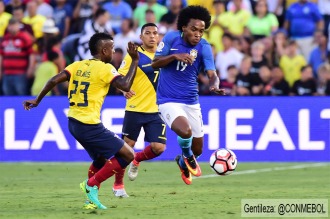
170,111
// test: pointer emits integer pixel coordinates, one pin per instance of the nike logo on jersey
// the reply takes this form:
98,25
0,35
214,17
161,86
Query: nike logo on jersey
174,49
125,134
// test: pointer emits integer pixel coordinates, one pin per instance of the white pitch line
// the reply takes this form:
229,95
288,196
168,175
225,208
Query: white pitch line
243,172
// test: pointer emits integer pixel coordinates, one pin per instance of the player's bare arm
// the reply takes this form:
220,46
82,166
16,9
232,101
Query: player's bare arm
57,79
214,83
124,83
161,61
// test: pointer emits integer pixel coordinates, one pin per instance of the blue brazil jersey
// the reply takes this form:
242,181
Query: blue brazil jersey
178,81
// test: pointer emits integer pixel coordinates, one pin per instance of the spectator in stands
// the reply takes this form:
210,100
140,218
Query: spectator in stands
150,18
278,86
324,7
246,5
45,71
318,54
291,63
245,43
13,4
306,85
302,19
4,18
229,56
277,50
167,3
83,11
127,34
140,12
17,60
262,23
323,80
99,23
35,20
215,31
169,19
260,88
229,83
258,58
18,13
236,20
277,8
45,9
119,10
62,16
244,81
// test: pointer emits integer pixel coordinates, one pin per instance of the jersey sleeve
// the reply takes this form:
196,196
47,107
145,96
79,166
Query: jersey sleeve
208,59
71,68
164,47
125,65
110,73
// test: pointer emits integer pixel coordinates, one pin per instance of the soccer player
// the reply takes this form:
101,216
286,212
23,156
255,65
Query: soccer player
141,108
181,56
89,82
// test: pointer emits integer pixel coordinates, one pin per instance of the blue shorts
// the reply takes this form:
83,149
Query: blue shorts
153,125
96,139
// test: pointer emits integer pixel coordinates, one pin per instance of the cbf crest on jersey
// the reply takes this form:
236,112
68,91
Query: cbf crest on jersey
193,53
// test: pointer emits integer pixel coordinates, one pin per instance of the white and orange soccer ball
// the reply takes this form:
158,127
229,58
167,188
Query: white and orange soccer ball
223,161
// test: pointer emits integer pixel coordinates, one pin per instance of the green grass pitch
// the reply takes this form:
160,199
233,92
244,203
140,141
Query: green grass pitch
51,190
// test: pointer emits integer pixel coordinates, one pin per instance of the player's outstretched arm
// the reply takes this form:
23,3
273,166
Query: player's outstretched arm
215,82
124,83
162,61
57,79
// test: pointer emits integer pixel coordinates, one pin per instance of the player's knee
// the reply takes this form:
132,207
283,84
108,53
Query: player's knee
158,148
185,133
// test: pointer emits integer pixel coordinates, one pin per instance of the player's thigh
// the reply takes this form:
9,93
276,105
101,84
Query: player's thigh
195,119
154,128
169,112
132,125
96,139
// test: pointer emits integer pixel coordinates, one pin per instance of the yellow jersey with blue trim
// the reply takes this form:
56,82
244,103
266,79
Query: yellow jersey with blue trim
89,84
144,84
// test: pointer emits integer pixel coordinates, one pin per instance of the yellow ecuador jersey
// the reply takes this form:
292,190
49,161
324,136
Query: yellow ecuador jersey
89,84
291,67
144,84
36,23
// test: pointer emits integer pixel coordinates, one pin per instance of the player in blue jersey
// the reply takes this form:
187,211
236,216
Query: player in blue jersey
181,56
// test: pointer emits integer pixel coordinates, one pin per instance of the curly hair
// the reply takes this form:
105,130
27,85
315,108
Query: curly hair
193,12
95,41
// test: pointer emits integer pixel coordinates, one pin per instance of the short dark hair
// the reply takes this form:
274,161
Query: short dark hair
229,36
18,8
305,67
231,67
95,41
99,12
51,55
193,12
148,25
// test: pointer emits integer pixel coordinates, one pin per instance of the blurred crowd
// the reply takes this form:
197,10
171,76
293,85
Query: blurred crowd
260,47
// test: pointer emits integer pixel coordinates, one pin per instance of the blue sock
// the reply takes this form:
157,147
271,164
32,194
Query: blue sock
185,144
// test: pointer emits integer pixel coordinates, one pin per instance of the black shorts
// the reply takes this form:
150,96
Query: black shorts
153,125
96,139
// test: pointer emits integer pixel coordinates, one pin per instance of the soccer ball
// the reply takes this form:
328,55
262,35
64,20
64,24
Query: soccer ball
223,161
